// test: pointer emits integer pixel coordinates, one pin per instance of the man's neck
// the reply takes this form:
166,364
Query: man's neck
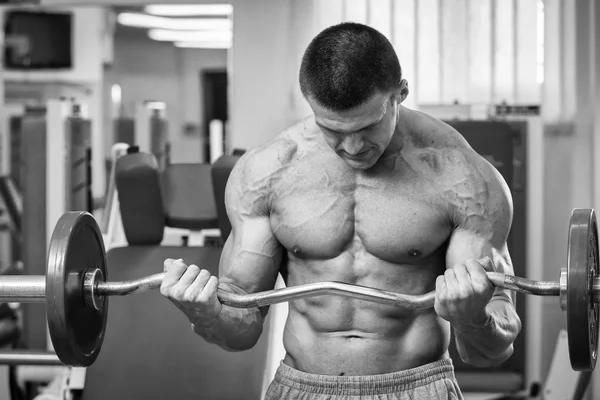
401,132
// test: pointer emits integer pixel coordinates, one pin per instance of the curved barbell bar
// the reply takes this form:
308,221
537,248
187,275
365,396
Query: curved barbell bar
260,299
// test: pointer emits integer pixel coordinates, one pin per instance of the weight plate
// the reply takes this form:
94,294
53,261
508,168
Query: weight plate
582,311
76,330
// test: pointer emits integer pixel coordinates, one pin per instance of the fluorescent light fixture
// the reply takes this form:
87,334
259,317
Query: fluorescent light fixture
179,10
184,24
203,45
190,36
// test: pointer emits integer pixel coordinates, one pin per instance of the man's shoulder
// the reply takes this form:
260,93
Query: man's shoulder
464,177
445,152
273,157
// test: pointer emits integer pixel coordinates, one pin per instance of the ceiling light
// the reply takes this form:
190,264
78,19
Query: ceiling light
190,36
179,10
203,45
151,21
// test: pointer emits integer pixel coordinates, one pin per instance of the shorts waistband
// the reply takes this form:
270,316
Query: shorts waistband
365,384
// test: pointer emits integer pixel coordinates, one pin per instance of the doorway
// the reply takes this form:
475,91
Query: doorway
214,104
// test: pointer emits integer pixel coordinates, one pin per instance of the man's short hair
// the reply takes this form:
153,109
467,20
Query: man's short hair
346,64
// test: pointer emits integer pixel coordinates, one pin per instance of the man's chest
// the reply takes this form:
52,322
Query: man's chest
321,215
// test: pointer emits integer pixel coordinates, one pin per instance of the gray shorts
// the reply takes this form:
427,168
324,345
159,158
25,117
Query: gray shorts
429,381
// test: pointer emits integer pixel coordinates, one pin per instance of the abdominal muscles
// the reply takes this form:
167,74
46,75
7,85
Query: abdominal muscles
335,335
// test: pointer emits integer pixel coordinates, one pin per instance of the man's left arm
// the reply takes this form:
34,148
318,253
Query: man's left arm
483,318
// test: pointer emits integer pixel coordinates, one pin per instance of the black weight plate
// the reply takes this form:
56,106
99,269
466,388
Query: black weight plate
76,330
582,311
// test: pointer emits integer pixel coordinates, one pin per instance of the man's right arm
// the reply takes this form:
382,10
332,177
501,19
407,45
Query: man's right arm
249,263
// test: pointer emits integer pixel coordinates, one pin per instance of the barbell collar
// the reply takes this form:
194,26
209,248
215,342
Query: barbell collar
91,298
563,289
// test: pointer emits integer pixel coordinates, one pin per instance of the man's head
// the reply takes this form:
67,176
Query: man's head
351,77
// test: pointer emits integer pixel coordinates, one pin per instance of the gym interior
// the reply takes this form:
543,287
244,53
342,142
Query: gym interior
135,112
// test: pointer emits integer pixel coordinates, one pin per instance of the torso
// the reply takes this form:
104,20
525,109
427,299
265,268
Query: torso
386,228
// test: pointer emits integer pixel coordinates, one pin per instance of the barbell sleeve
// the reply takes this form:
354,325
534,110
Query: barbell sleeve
23,288
29,357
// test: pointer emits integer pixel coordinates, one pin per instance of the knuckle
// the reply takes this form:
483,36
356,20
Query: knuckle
207,295
178,294
193,268
176,270
164,291
189,296
462,267
447,296
204,274
203,298
440,280
476,267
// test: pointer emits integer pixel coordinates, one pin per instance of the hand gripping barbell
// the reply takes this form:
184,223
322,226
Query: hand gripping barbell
75,289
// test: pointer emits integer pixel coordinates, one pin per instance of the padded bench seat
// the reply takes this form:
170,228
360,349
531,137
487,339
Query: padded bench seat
188,196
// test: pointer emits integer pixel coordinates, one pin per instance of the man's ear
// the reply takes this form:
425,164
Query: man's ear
403,91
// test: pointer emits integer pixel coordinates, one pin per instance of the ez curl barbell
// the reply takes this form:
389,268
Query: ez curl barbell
75,290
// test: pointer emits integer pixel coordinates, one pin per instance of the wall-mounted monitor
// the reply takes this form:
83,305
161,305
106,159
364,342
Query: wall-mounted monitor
38,40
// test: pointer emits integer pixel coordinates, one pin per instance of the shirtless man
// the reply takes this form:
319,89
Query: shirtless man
370,193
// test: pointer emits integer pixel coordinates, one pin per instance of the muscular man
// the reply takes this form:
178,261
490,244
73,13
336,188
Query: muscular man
370,193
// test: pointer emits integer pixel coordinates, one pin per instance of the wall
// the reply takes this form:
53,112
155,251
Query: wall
260,82
150,70
260,85
465,51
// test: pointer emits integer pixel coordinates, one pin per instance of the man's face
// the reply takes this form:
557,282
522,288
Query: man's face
361,135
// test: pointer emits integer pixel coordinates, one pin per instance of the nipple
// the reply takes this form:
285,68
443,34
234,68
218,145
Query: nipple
414,253
296,250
